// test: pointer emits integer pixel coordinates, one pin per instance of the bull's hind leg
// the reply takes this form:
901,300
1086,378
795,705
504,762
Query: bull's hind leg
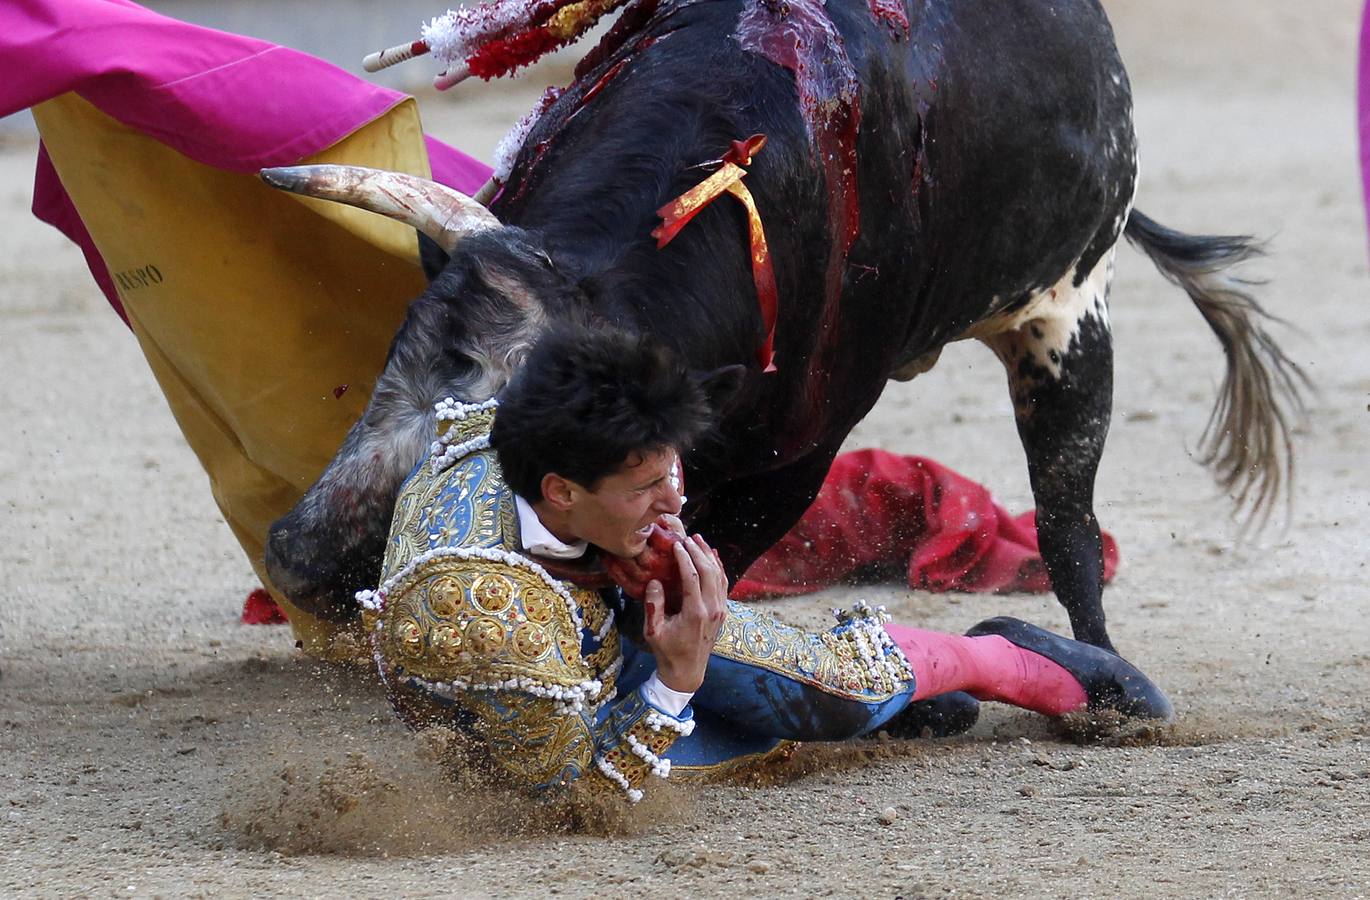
1059,359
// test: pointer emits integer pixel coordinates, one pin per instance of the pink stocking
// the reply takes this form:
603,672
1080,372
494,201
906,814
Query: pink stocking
988,668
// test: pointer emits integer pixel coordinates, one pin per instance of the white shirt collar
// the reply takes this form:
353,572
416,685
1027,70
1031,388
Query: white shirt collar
538,540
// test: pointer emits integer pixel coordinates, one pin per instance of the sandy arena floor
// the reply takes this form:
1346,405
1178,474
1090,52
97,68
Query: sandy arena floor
153,745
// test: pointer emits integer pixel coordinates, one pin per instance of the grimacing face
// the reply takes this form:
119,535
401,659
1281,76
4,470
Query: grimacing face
617,515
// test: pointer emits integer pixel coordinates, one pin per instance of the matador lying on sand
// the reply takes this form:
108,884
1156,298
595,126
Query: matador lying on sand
560,682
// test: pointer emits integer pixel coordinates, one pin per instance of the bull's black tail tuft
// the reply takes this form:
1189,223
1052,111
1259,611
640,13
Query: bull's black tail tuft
1247,441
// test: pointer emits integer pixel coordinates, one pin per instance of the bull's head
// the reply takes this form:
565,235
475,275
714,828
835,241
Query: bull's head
462,338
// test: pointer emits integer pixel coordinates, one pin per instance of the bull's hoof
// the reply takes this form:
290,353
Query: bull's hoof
942,716
1110,682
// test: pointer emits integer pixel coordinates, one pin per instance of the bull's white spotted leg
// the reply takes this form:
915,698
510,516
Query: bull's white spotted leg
1059,360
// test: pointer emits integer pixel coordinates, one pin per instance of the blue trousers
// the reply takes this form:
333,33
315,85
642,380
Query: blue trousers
767,683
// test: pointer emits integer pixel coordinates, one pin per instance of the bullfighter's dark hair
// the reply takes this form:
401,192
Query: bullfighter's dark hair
585,399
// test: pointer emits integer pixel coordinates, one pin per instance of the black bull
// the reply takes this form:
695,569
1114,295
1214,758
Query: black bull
966,173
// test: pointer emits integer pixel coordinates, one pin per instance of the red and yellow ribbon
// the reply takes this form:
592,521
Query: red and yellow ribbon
728,179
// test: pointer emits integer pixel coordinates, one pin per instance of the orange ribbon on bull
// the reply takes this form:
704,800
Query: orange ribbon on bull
728,180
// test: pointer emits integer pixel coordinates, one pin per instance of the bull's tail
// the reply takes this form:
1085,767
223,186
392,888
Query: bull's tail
1247,441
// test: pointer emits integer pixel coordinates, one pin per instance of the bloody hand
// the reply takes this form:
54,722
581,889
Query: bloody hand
655,562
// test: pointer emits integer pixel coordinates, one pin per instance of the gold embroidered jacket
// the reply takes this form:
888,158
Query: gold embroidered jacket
526,662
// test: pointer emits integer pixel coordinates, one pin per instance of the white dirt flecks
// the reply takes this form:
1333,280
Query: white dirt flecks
153,745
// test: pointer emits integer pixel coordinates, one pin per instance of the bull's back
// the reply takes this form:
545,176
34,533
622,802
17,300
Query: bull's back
991,141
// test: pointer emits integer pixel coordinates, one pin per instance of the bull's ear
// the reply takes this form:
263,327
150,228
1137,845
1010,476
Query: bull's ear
722,386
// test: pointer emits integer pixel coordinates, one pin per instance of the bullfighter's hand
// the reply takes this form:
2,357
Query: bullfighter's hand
682,643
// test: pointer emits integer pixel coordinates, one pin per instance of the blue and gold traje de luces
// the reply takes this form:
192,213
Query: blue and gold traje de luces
536,668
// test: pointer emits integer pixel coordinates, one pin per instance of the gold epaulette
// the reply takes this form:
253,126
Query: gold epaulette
459,609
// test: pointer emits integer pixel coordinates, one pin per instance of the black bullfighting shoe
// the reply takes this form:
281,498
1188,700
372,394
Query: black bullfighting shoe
1110,682
942,716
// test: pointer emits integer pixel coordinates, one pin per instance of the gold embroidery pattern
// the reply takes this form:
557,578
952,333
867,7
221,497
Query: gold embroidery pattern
467,623
435,636
474,424
737,767
529,739
457,620
849,660
467,505
643,738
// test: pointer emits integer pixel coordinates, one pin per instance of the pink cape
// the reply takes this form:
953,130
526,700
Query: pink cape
228,101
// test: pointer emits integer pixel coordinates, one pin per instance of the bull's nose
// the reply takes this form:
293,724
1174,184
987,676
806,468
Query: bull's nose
282,564
316,571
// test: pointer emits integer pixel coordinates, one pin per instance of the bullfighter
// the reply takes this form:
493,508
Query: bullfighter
578,457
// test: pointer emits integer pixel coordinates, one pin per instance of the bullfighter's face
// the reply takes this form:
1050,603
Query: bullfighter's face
617,515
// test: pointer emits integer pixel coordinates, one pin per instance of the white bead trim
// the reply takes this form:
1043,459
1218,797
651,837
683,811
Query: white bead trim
572,699
445,458
606,699
617,777
610,673
450,409
658,721
442,451
864,627
614,668
661,768
604,629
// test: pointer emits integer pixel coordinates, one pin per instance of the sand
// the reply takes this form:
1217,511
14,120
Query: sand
153,745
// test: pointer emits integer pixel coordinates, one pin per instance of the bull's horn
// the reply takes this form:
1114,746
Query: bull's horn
440,212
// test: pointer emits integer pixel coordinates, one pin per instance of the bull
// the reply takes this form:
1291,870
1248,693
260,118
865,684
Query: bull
934,171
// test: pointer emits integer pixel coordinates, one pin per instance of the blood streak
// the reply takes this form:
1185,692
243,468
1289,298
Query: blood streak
603,82
800,36
633,19
539,151
630,23
891,12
